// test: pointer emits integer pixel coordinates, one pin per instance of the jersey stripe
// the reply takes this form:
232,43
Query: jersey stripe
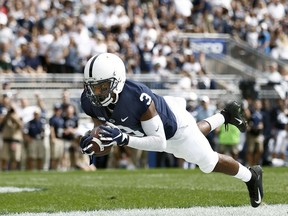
91,66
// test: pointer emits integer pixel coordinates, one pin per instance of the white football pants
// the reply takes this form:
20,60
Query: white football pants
188,142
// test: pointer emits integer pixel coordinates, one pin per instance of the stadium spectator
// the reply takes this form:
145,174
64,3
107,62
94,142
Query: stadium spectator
131,58
67,101
72,59
4,107
26,112
276,10
280,50
49,18
32,62
261,10
70,127
204,81
273,76
56,52
56,123
186,82
79,32
146,56
221,21
88,17
17,62
264,39
252,36
17,9
159,57
12,133
6,33
281,126
251,19
44,39
27,20
255,137
22,36
191,64
112,44
5,60
228,141
268,132
98,43
34,132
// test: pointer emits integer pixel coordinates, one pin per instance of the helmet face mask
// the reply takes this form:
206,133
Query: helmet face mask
100,92
104,78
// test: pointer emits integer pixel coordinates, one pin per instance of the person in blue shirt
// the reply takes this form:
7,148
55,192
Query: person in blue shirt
34,134
56,123
138,118
255,137
264,39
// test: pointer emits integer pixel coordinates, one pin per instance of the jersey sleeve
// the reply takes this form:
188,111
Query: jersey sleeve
140,97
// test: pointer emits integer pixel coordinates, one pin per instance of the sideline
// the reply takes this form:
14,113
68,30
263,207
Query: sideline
263,210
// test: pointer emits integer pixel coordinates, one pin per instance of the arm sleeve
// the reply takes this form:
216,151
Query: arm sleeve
155,139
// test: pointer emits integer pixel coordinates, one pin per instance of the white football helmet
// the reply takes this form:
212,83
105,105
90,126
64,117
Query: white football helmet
104,68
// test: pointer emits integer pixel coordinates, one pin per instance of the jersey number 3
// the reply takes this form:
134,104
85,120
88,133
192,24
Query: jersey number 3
146,97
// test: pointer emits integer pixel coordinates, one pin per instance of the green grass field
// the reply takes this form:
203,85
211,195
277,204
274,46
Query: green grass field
126,189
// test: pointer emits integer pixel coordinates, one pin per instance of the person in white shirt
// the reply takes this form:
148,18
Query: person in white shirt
276,10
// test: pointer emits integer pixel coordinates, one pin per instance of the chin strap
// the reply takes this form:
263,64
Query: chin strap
116,98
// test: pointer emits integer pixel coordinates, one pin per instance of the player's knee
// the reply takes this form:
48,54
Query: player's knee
207,168
208,164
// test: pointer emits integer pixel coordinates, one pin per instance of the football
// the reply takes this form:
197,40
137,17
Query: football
97,146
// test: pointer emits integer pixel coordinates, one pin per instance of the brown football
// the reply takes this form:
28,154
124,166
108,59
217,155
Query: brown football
98,148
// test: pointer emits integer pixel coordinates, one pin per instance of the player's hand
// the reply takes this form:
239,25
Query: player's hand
113,135
85,144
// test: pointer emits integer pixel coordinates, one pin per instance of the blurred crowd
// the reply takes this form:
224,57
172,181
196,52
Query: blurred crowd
45,36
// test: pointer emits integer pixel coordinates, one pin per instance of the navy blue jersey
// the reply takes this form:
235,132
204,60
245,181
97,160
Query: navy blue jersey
35,128
70,122
57,122
133,102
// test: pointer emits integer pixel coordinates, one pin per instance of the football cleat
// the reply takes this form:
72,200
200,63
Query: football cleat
232,113
255,186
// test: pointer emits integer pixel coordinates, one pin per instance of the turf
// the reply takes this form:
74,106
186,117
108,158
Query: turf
126,189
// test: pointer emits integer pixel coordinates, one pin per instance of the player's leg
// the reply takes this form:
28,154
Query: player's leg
198,150
232,114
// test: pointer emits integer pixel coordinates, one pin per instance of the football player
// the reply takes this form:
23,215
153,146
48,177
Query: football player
143,120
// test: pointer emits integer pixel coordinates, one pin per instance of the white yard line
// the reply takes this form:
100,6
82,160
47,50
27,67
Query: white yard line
263,210
17,189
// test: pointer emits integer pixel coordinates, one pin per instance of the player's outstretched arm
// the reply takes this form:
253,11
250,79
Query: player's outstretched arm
155,139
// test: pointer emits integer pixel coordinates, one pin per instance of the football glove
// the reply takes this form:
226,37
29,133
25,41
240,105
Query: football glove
85,144
111,134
